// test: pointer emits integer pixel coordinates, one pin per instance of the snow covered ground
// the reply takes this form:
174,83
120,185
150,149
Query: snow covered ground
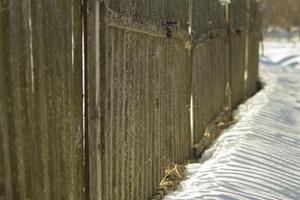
259,157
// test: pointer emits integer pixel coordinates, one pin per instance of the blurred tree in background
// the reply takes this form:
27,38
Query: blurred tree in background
281,13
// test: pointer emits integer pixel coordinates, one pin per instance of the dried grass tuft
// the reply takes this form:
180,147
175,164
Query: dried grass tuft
174,172
173,176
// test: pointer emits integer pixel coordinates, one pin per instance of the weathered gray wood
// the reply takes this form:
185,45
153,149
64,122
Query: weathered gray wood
41,101
5,169
66,95
254,37
97,80
252,78
237,67
237,13
15,66
115,141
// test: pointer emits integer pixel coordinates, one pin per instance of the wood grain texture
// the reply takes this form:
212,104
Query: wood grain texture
237,65
95,111
41,101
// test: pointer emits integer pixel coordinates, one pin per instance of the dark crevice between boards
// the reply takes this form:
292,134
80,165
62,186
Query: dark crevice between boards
84,77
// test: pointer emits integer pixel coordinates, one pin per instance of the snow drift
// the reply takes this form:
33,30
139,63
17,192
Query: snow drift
259,157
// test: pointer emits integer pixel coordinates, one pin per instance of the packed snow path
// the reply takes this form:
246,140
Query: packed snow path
259,157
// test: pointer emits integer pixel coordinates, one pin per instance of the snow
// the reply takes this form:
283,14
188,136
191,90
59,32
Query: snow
258,157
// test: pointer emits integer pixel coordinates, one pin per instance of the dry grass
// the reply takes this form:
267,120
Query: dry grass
175,172
213,131
173,176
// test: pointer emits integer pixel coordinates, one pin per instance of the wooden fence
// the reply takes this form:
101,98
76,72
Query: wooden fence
96,95
41,99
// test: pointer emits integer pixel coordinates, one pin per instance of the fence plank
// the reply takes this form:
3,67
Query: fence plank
6,179
238,23
252,77
15,68
42,133
237,67
253,48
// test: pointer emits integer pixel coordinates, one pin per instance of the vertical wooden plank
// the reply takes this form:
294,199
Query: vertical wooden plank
2,180
143,104
4,61
2,172
97,102
6,179
200,85
131,95
103,89
76,97
15,68
40,133
109,95
18,64
113,110
175,101
91,71
156,137
150,110
163,121
247,47
237,67
136,112
238,19
168,115
135,95
128,114
123,128
65,142
253,63
51,106
178,105
116,110
59,64
44,153
142,67
186,69
27,82
145,175
253,47
187,119
138,67
155,103
119,108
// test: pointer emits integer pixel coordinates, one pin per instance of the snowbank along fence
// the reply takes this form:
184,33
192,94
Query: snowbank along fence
95,95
